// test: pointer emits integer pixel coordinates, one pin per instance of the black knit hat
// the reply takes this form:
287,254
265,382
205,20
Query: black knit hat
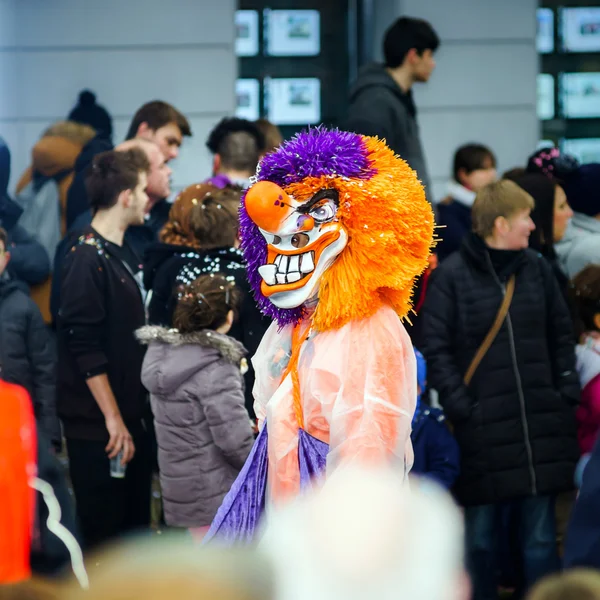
552,163
583,189
89,113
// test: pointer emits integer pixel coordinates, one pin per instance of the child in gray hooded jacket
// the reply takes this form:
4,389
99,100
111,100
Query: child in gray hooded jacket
194,376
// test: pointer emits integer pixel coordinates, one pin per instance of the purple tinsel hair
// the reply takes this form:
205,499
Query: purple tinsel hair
312,153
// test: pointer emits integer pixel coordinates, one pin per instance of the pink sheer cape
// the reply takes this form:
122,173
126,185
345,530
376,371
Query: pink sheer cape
358,391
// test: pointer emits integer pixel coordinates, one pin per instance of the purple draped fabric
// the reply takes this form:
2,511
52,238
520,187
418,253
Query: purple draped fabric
238,517
312,456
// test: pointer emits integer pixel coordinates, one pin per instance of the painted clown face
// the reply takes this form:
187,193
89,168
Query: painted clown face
303,239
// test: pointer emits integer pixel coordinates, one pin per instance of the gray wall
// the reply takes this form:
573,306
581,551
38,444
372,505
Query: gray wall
484,87
128,52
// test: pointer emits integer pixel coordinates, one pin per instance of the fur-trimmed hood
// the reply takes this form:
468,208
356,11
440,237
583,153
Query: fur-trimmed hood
229,348
173,358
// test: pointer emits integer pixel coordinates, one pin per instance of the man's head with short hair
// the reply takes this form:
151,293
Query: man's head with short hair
4,253
159,175
501,215
161,123
410,43
117,180
474,166
237,145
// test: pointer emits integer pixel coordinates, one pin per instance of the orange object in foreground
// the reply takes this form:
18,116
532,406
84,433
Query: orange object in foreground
18,451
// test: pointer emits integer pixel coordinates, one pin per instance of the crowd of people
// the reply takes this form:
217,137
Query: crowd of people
130,323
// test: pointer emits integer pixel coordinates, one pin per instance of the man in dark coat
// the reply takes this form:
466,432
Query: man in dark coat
381,99
515,421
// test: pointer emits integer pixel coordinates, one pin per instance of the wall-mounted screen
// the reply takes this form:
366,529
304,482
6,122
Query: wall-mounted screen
580,29
246,33
247,92
292,32
545,96
586,150
293,101
580,95
545,30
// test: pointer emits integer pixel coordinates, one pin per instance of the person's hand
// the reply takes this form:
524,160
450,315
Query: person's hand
120,439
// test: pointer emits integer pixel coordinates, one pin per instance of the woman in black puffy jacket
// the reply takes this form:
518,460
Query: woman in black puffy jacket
515,422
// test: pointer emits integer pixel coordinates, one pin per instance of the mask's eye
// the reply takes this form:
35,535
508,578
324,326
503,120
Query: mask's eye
324,212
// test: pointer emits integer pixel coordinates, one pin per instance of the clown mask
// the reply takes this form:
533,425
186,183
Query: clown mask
303,239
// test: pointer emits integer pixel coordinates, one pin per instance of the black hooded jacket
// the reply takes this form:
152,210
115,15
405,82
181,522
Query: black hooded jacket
515,423
27,355
164,263
379,107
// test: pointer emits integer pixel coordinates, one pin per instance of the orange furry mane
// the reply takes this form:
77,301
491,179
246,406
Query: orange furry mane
390,228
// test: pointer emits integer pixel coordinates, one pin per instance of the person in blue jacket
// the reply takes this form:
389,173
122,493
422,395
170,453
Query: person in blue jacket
582,542
436,451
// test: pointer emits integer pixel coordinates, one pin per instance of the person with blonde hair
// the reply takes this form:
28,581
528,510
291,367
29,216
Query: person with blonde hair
578,584
173,567
362,535
271,133
500,349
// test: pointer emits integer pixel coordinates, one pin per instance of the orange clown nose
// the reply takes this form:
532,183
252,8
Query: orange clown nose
269,206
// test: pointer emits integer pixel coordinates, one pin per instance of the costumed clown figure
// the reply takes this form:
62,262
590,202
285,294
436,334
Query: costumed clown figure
335,228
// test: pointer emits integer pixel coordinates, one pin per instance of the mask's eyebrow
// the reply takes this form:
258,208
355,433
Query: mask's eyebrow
331,194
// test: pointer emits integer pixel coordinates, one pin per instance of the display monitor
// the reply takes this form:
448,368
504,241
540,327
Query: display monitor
292,32
545,30
247,92
246,33
580,29
293,101
580,95
585,150
545,96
